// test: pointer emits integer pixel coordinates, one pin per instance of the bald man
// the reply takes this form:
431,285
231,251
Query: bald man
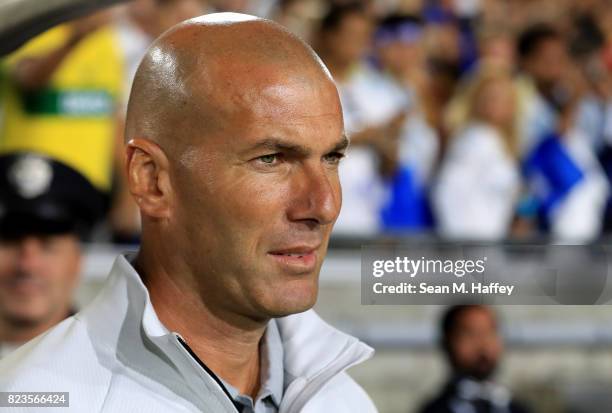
234,135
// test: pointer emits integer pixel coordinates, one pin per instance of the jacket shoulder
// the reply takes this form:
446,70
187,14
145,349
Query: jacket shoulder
61,360
341,394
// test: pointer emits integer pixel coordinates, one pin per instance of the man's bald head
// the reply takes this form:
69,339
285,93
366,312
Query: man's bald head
199,74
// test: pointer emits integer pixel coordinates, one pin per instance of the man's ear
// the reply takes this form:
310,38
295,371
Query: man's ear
148,177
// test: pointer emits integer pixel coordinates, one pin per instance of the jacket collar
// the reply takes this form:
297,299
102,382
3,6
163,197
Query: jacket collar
125,328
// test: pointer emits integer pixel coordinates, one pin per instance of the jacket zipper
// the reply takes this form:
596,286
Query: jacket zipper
208,371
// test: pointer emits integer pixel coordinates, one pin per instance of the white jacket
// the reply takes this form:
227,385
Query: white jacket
116,356
478,186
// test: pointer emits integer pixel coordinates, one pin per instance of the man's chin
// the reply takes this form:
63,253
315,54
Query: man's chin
284,312
20,319
289,304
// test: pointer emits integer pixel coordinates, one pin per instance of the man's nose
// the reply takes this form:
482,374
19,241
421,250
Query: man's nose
316,197
30,250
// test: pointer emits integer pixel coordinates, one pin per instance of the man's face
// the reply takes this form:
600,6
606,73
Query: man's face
351,40
475,345
38,275
257,196
548,63
400,56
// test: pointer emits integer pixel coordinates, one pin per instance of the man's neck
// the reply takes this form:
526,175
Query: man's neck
229,348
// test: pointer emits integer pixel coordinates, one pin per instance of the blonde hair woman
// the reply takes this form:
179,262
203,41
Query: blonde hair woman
479,180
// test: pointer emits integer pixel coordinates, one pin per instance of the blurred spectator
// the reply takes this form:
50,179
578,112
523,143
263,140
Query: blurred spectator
543,63
566,182
594,112
398,51
372,121
392,150
452,52
45,207
473,348
479,181
496,48
453,21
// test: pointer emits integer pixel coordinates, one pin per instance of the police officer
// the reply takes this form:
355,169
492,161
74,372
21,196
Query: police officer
473,347
46,207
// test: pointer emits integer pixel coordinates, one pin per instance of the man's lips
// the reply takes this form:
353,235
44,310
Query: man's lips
296,259
296,250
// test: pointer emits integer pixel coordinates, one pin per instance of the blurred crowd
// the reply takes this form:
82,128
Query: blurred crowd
469,119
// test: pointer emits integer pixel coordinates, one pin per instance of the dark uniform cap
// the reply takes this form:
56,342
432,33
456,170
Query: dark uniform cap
39,195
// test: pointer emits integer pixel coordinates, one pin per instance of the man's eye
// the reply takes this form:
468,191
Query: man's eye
269,159
334,157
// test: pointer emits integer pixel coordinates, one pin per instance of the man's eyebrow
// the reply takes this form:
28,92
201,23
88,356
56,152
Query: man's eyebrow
342,144
280,145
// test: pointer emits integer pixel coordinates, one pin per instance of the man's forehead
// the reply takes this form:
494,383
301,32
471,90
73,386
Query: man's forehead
294,107
232,73
276,127
308,133
297,97
263,95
